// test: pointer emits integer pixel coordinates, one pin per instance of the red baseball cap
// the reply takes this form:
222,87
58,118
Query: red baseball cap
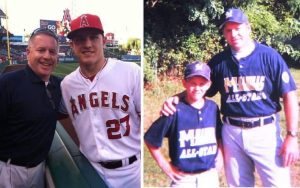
85,21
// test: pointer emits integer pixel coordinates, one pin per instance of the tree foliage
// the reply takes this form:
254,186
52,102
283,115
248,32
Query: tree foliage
177,32
132,46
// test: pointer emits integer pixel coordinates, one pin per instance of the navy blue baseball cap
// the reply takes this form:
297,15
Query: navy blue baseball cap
234,15
197,68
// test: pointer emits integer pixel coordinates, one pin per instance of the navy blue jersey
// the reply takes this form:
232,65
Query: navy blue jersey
192,135
252,86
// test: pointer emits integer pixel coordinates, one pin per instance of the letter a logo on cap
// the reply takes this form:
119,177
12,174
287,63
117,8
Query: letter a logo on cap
84,22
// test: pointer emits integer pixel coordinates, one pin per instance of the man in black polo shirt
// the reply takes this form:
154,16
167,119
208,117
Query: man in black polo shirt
29,101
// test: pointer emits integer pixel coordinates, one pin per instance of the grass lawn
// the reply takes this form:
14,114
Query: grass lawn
63,69
154,96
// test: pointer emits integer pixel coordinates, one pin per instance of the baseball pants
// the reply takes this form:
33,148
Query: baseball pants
12,176
207,179
126,177
247,149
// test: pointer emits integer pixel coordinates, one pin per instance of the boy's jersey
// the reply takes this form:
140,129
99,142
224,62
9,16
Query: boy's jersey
252,86
192,135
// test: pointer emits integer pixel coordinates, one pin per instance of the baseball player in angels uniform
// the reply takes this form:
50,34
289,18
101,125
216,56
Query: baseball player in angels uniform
251,79
102,97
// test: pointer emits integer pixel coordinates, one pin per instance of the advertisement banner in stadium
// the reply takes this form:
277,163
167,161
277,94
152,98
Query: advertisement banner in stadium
49,24
55,26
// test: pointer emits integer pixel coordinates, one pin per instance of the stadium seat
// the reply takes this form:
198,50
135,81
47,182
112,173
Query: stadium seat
67,166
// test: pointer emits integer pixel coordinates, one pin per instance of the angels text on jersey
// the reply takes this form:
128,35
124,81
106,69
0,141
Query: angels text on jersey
102,99
105,99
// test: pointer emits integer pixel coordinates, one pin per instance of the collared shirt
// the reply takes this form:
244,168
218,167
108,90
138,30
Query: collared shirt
27,115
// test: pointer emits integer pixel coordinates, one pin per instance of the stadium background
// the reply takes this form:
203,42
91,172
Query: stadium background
13,47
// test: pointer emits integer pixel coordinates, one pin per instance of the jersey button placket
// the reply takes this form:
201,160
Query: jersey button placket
241,67
199,115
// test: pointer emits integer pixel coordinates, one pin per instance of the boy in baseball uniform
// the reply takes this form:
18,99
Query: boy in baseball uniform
193,133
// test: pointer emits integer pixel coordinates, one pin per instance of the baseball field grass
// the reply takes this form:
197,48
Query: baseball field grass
63,69
154,96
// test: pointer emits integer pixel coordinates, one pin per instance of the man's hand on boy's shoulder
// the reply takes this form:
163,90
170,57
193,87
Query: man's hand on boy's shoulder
169,106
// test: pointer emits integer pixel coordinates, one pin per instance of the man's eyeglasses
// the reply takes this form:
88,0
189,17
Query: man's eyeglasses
44,31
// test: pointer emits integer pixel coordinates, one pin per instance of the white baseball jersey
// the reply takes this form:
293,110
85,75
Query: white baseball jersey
106,111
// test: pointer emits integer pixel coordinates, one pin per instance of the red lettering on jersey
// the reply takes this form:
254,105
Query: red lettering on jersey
125,100
114,100
73,107
107,99
104,99
94,100
81,101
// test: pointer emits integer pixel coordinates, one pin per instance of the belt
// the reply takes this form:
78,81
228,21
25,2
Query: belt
193,171
118,163
18,162
249,124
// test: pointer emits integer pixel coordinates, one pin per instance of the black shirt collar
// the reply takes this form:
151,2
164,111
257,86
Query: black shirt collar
34,78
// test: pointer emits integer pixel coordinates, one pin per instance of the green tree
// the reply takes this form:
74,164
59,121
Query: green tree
133,45
183,31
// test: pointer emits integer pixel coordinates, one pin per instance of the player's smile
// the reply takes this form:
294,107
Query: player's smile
88,56
236,40
87,52
46,65
196,95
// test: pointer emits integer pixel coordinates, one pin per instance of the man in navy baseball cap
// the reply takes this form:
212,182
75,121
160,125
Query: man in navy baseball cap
234,15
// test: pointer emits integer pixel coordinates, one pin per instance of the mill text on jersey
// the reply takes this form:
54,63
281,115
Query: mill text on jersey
245,88
197,142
